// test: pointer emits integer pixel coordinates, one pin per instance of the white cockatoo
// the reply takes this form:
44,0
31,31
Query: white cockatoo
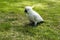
33,15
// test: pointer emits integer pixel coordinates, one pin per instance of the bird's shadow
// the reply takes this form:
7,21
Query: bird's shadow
29,24
32,24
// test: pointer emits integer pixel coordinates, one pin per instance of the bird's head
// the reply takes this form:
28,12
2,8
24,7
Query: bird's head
27,8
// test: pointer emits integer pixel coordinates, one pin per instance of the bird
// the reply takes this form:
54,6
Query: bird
33,16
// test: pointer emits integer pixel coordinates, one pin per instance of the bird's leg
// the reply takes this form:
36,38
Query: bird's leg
35,23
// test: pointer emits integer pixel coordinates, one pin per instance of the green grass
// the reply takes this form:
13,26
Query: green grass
13,22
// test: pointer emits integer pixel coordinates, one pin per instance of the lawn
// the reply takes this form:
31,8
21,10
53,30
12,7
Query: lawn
14,23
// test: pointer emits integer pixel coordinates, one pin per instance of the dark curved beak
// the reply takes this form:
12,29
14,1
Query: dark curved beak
25,11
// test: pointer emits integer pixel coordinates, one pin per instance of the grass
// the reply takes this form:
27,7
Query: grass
13,22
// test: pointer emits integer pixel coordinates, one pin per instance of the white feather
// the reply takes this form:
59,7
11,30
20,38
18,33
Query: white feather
32,15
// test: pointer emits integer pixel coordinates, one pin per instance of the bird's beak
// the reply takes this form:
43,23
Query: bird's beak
25,11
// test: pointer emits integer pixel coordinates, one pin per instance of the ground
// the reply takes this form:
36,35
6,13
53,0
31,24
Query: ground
14,23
